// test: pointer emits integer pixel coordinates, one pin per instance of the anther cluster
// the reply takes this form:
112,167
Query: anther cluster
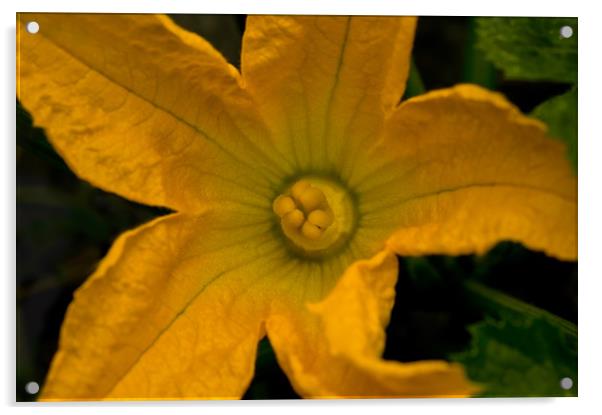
304,211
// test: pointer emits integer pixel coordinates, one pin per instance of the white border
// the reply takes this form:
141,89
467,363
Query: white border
373,7
590,206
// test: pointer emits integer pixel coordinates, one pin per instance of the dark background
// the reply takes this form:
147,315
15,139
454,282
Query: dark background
65,226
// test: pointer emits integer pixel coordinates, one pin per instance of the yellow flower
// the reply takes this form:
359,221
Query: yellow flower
294,183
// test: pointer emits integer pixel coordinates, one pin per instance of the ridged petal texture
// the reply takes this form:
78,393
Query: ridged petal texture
140,107
325,82
165,315
336,351
470,170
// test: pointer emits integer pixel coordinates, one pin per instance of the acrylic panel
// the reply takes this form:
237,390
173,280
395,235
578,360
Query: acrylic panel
282,207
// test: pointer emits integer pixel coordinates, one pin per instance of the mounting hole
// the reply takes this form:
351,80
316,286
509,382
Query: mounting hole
566,383
33,27
566,32
32,388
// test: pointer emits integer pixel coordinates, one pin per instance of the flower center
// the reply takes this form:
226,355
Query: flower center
316,215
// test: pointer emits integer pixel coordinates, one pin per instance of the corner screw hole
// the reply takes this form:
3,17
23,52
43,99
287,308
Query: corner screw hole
32,388
566,32
566,383
32,27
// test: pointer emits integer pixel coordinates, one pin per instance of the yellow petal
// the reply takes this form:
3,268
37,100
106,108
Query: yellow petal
139,107
334,351
170,313
395,84
325,82
464,170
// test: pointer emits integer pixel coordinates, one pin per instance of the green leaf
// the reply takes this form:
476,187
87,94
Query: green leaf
520,357
530,48
502,305
560,113
477,69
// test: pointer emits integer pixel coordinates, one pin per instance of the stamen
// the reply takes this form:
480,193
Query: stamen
294,219
312,198
305,201
320,218
298,188
308,219
283,205
311,231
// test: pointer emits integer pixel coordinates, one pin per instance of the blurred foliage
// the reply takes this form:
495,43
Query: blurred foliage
530,276
527,48
478,309
520,357
415,85
477,68
224,32
431,309
439,49
519,349
443,311
530,48
560,113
